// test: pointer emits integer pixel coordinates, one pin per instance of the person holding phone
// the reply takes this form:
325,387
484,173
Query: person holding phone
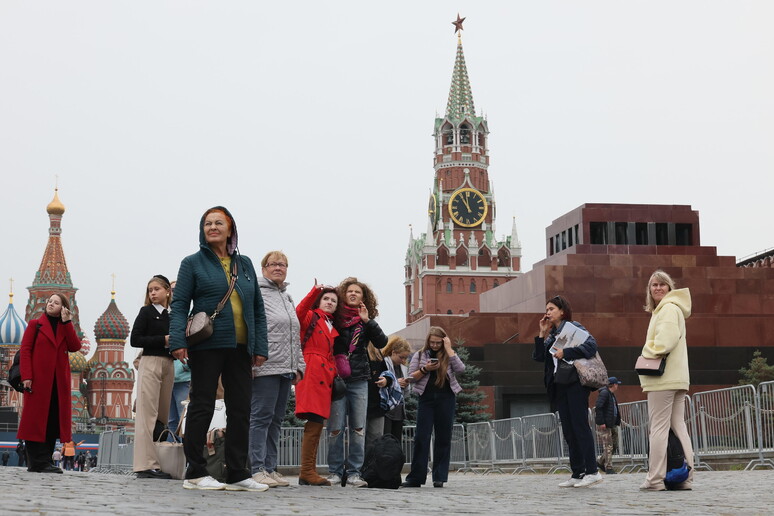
433,373
565,391
45,372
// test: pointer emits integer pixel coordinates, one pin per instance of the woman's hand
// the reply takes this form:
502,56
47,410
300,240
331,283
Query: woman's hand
545,327
181,354
381,382
403,382
559,354
448,346
66,315
297,378
363,313
432,366
27,385
258,360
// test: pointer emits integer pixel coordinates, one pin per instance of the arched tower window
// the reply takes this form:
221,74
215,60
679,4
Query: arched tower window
464,134
503,258
462,257
495,284
472,286
449,287
484,258
443,256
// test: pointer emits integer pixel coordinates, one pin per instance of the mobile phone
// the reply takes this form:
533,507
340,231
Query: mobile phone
433,360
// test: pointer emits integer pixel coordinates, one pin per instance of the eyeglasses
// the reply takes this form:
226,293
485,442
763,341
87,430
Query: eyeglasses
272,265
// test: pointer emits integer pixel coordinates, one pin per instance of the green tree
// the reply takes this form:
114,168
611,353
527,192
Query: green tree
758,371
470,408
290,412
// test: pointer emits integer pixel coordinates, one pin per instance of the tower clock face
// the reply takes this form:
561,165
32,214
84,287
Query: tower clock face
467,207
432,209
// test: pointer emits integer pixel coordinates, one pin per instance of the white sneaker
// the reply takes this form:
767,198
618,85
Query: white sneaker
207,482
334,479
278,479
356,481
570,482
265,478
590,480
247,484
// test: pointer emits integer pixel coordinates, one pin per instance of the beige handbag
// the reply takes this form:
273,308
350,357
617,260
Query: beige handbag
650,366
171,456
591,371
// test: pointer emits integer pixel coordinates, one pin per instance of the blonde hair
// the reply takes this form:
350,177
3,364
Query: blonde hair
277,255
662,276
374,355
396,344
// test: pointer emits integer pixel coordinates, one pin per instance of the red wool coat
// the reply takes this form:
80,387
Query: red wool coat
39,361
313,393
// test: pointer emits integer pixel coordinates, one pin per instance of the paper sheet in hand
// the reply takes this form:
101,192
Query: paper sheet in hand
569,336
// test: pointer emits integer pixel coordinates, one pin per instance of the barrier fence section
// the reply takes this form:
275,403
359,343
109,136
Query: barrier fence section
735,422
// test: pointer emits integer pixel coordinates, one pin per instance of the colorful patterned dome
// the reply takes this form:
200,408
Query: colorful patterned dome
112,324
85,346
12,326
78,362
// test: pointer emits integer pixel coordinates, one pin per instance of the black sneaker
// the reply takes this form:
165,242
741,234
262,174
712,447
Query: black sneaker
609,471
153,473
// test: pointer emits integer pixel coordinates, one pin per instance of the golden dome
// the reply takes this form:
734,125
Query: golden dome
55,207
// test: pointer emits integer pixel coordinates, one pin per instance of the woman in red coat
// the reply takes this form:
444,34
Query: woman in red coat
313,393
45,372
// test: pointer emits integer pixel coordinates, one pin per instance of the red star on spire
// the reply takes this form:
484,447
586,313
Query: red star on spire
458,24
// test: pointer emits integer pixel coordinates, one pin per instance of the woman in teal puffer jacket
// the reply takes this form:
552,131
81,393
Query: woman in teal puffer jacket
237,343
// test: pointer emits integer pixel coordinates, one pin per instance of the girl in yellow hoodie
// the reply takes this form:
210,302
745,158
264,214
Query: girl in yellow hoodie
666,394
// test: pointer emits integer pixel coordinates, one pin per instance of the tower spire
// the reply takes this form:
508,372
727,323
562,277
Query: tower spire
460,101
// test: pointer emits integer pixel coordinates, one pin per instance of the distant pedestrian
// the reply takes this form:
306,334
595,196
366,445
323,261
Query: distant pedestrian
57,456
607,418
6,457
21,452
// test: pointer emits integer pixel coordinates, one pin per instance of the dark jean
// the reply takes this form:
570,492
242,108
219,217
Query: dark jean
268,406
435,413
572,402
234,366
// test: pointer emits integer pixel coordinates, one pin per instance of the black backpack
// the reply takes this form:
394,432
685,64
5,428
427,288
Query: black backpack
677,469
384,463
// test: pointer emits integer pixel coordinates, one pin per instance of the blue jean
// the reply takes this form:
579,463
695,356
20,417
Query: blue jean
179,395
572,403
435,413
268,406
352,406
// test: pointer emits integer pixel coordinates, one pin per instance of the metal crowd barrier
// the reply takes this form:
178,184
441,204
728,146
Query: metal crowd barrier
115,453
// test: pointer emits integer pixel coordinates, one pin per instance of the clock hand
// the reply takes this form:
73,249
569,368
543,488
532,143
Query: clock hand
465,202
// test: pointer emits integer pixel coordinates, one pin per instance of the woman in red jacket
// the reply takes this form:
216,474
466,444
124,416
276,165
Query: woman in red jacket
313,393
45,372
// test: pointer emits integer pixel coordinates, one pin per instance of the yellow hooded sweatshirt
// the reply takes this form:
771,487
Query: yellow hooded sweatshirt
666,334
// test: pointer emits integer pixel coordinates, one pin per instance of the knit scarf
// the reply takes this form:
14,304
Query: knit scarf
348,317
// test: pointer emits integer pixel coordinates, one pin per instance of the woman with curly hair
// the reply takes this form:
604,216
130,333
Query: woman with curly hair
356,326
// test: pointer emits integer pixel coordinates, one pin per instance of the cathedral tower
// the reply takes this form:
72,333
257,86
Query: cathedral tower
110,377
459,256
52,275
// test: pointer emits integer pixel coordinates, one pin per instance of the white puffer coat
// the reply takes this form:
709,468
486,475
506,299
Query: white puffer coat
283,331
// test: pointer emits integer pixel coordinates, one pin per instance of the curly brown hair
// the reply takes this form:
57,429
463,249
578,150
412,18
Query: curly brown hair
369,298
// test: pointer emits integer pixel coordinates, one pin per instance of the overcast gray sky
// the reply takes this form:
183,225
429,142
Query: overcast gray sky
312,122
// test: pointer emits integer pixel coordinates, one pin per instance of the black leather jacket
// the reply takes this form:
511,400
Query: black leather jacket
358,359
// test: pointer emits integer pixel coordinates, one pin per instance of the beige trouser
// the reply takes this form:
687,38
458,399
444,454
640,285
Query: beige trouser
155,379
666,409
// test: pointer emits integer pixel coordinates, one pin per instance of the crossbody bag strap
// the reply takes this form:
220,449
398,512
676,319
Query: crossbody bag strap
231,286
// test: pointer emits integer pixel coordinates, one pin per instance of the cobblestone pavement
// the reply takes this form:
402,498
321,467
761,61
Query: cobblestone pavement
724,492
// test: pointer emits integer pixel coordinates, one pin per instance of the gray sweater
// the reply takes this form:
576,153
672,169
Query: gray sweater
283,330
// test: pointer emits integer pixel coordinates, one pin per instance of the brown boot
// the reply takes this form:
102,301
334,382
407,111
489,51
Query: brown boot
308,475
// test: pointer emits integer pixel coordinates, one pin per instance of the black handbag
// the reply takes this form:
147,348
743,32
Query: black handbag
339,388
14,373
565,373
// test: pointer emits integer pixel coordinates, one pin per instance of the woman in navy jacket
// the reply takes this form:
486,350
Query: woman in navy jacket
238,343
566,393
